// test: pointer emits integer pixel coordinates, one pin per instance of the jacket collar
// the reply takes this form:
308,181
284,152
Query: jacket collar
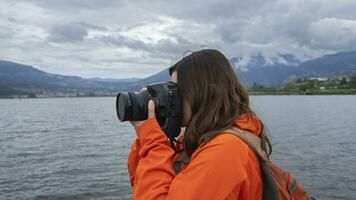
249,123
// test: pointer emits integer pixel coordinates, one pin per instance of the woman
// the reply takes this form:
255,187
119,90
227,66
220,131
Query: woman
221,165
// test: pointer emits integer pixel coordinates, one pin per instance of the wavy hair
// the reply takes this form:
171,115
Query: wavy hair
216,97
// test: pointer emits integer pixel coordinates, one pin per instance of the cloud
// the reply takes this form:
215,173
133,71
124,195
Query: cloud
77,4
333,33
68,32
72,32
121,38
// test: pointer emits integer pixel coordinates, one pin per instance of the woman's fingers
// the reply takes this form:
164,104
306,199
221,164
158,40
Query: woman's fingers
151,109
151,112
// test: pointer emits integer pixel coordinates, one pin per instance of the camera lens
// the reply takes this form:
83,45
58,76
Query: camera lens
132,106
123,106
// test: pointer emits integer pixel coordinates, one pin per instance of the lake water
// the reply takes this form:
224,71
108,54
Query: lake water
75,148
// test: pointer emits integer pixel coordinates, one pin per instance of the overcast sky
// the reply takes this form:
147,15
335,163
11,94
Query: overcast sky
123,39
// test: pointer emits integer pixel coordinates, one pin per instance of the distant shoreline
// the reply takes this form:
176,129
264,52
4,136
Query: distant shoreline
250,94
59,97
351,91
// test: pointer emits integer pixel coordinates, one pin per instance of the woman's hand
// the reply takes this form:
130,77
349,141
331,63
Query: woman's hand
151,112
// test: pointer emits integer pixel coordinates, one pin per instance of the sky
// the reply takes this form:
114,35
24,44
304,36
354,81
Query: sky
126,39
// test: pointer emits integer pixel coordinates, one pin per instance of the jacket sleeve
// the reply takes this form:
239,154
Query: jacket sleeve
133,159
214,172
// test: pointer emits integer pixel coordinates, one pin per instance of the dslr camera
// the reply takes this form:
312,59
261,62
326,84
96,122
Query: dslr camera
167,99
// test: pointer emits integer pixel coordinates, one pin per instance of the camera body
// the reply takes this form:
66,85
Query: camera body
167,99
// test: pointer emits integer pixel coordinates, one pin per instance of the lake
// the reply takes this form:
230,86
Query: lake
75,148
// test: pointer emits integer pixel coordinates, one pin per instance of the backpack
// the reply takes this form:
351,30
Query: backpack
278,184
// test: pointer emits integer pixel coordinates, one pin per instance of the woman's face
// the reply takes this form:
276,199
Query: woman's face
187,113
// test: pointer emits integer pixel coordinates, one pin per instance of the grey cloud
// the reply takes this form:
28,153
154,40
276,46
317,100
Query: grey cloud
94,27
11,19
333,33
122,41
72,32
68,33
206,10
166,48
175,48
150,34
265,22
6,34
77,4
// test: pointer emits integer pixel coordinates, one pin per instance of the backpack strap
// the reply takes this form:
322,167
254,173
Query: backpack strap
270,190
252,140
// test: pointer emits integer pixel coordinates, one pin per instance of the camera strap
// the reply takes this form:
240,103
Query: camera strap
171,127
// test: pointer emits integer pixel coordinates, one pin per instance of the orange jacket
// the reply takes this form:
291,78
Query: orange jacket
224,168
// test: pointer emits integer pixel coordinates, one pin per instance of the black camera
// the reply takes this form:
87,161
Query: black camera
167,99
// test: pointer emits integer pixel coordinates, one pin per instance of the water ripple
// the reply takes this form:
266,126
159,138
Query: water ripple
76,149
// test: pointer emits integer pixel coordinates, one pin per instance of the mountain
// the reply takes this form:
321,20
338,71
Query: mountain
124,80
262,61
24,74
286,68
268,72
342,63
17,79
276,71
159,77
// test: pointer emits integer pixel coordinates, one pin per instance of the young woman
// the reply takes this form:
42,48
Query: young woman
221,165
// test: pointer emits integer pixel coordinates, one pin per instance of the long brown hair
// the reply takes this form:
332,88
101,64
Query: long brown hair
216,97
